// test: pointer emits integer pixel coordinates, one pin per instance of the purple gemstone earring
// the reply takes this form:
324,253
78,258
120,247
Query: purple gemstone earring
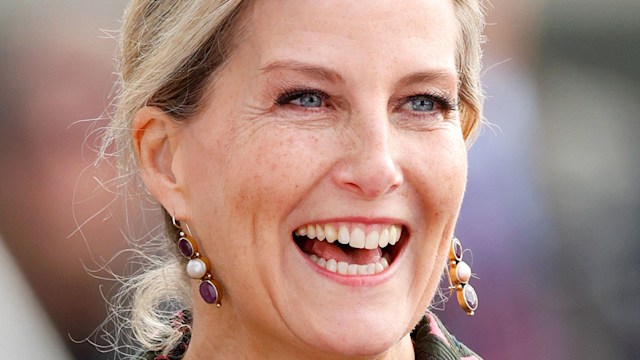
198,266
459,275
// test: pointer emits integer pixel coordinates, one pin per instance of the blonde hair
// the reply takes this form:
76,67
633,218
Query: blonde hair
470,16
170,52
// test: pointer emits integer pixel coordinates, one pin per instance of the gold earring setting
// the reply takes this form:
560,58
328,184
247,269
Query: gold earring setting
198,266
459,276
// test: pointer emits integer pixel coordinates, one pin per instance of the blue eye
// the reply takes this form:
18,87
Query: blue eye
422,104
303,98
308,100
429,103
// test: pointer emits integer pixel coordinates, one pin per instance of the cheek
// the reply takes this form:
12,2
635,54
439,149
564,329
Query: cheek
271,171
266,166
441,176
454,179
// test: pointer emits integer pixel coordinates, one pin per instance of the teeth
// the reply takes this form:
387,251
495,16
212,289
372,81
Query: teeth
362,270
331,265
394,234
379,236
370,268
330,233
384,238
343,235
372,240
311,231
352,269
342,267
357,239
385,262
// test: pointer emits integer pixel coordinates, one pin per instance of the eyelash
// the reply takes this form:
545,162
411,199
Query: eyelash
289,95
445,103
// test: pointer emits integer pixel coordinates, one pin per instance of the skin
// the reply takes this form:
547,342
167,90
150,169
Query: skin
247,171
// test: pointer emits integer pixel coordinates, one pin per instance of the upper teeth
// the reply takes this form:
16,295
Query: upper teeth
357,236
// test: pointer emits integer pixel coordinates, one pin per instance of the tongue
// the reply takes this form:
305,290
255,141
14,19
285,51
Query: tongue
328,251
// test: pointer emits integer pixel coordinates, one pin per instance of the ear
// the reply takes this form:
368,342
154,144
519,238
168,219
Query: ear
155,142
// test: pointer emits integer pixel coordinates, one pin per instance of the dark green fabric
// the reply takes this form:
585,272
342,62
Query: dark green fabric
430,347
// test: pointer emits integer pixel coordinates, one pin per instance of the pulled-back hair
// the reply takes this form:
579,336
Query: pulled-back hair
170,52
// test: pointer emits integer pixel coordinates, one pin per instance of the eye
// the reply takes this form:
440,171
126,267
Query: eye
303,98
422,103
308,100
425,103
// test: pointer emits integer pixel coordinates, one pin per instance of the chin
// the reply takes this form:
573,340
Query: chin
363,340
359,333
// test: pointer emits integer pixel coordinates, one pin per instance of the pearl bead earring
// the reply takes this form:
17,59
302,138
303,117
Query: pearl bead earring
198,266
459,275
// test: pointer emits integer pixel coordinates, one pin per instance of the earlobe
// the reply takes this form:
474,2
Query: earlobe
155,143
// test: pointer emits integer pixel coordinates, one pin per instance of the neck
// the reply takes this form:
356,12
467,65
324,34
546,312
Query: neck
219,334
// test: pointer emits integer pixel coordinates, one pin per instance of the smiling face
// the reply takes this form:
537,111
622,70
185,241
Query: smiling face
325,173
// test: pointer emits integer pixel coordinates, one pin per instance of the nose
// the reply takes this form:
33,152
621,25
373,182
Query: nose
369,168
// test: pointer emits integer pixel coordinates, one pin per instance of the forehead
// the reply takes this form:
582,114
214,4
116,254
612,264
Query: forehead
381,33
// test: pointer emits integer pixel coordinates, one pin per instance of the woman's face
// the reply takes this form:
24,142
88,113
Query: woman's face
336,118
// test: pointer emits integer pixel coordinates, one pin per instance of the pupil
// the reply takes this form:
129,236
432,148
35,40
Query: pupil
422,105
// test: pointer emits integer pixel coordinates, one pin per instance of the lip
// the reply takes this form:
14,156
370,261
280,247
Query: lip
360,280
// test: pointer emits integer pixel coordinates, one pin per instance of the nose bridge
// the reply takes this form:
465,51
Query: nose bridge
370,165
373,145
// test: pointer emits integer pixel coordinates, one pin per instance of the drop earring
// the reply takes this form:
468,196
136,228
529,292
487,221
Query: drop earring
198,266
459,275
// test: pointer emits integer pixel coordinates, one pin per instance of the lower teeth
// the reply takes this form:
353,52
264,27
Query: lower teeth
345,268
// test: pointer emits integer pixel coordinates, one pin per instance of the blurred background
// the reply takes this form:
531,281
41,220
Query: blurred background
552,211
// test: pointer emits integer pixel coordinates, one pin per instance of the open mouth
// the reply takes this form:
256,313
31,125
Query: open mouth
351,249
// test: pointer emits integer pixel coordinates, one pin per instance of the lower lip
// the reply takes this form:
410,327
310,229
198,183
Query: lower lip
357,280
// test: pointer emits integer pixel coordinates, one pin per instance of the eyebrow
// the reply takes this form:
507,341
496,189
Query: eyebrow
321,72
315,71
433,76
